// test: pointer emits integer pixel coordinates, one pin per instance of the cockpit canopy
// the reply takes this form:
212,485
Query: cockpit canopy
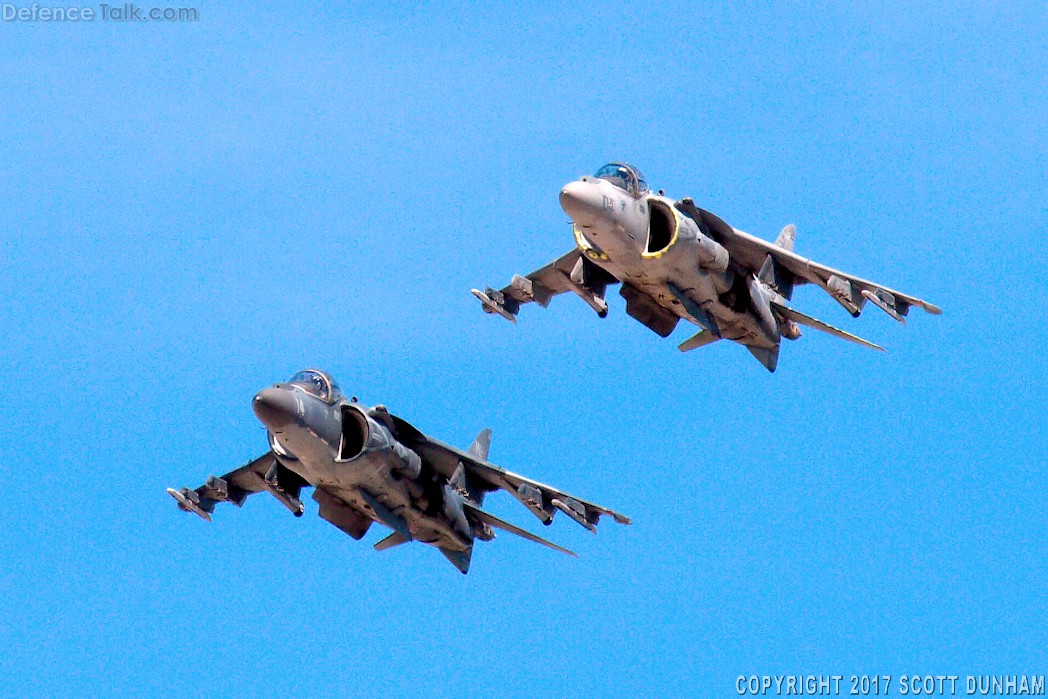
624,176
318,383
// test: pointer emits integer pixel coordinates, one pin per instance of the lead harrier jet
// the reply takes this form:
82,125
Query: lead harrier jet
367,465
675,260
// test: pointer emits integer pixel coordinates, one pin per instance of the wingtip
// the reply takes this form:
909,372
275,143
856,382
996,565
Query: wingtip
933,309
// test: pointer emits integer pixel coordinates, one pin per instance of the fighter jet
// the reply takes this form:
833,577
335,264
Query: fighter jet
675,260
367,465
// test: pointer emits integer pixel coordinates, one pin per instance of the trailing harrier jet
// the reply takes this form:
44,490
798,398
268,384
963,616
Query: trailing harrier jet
367,465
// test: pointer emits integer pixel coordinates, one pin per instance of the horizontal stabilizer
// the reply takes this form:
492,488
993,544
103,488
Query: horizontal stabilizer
701,339
394,539
505,526
810,322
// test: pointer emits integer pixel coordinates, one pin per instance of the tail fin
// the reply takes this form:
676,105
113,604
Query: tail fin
810,322
772,273
481,444
463,479
786,237
490,519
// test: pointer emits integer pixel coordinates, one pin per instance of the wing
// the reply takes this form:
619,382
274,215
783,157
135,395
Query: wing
850,291
263,474
570,272
542,500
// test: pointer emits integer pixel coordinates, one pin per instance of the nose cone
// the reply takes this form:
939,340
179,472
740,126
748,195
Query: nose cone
582,201
275,407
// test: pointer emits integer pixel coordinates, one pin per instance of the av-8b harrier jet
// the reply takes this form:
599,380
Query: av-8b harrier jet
675,261
367,465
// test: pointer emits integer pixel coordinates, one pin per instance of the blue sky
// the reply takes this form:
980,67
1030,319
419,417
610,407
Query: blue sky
195,211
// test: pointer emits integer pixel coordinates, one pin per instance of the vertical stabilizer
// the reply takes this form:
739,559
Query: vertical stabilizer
768,357
459,559
772,273
463,479
480,445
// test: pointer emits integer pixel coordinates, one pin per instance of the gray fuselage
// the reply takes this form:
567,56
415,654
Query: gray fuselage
347,449
644,241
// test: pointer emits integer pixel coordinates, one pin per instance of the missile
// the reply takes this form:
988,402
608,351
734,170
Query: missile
217,488
491,306
580,279
597,303
288,500
575,510
884,301
293,504
844,293
189,501
531,498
